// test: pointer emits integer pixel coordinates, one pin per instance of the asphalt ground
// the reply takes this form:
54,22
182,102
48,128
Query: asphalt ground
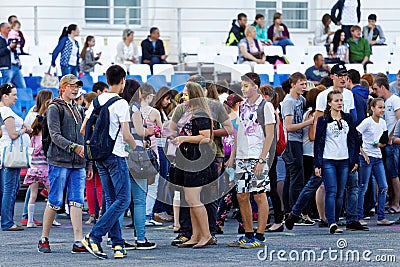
303,246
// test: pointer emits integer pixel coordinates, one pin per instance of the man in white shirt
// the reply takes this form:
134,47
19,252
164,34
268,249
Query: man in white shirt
392,115
113,171
251,159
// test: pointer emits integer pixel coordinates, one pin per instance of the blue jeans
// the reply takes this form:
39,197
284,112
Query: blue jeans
156,60
139,192
69,70
306,194
351,197
335,173
9,178
114,177
74,179
14,76
284,43
376,167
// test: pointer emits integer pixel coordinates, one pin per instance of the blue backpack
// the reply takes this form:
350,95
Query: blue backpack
98,142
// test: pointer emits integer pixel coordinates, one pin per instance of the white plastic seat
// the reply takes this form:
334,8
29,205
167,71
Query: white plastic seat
375,68
140,69
238,70
273,50
358,67
313,50
380,54
231,51
393,68
39,70
294,54
265,69
287,68
164,69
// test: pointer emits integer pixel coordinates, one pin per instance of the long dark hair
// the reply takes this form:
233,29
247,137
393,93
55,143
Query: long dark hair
258,16
162,93
311,98
36,126
5,89
329,99
42,97
336,40
86,45
372,102
67,30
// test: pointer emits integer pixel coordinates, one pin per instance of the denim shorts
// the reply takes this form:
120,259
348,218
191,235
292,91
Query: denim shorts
392,161
66,178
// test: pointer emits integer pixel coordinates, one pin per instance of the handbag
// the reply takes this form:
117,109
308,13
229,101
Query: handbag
50,80
17,156
142,163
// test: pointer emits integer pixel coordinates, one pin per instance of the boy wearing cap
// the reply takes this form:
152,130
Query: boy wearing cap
66,162
251,159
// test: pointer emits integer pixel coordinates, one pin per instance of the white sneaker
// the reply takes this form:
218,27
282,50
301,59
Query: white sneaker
55,223
152,222
31,225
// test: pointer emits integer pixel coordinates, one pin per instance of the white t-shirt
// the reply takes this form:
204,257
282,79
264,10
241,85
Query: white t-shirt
250,136
392,104
73,58
5,140
371,132
31,116
348,100
336,141
119,112
349,13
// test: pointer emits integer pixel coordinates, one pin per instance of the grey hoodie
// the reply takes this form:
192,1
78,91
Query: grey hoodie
63,133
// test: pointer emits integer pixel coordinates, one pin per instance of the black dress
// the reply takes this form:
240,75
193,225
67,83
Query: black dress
194,162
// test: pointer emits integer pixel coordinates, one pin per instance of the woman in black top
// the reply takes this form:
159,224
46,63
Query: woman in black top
194,162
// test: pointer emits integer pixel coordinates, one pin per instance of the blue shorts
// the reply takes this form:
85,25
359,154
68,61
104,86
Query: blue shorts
73,180
281,169
392,161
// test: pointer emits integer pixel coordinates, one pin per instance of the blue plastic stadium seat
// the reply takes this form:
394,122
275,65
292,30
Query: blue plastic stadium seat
392,77
136,77
27,104
33,82
157,81
24,93
178,81
279,78
87,82
264,79
54,90
102,78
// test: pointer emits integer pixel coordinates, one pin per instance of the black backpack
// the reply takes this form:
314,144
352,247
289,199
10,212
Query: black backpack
98,142
46,138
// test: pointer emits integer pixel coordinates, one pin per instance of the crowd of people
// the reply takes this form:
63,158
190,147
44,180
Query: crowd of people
314,148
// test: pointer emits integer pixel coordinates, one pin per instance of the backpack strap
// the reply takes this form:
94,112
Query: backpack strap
133,131
107,104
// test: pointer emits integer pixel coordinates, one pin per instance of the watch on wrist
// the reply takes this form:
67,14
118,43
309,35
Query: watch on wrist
261,161
72,147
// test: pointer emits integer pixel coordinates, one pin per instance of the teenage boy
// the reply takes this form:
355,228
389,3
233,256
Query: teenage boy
292,112
113,171
251,158
66,163
359,48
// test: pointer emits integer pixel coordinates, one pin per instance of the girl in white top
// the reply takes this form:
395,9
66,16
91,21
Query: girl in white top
339,48
14,130
323,33
375,136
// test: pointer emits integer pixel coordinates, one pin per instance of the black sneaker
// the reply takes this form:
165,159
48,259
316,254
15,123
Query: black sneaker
241,230
303,221
356,226
323,224
44,246
78,249
94,248
180,239
290,221
146,245
129,246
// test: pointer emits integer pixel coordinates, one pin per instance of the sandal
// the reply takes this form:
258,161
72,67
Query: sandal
91,220
392,211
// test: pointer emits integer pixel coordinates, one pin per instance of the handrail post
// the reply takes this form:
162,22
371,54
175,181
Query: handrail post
35,25
127,17
179,35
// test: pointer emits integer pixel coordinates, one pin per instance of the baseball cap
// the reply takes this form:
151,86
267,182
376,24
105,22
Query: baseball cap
81,92
338,69
70,79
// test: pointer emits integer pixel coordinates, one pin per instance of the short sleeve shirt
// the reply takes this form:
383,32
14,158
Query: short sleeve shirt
293,107
392,104
371,132
348,100
119,112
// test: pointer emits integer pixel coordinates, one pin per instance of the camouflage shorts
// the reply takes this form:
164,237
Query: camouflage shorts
246,181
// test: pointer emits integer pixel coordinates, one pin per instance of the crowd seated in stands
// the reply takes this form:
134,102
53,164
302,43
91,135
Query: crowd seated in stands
358,46
250,49
262,32
279,33
373,33
237,31
153,51
127,50
318,71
